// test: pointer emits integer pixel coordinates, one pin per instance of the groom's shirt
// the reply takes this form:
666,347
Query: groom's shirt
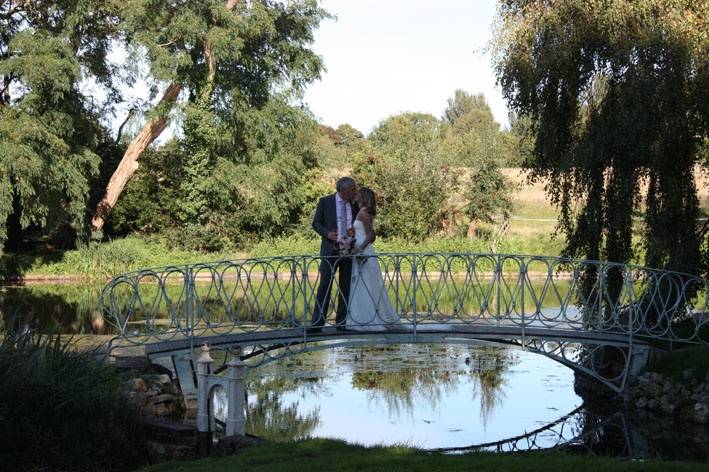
344,215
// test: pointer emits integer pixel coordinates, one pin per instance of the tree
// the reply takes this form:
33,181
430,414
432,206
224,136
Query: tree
50,125
349,135
462,103
219,55
473,141
405,169
227,180
615,95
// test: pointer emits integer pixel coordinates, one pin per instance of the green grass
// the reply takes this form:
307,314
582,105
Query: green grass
331,455
101,261
513,244
674,363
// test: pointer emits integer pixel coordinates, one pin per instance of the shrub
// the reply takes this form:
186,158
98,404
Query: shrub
62,410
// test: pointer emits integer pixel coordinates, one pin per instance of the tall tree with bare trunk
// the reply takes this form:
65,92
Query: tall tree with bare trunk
211,51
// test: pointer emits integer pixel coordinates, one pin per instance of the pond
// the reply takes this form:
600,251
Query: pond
429,396
451,397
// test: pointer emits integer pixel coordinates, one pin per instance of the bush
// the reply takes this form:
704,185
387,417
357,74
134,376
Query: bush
62,410
406,172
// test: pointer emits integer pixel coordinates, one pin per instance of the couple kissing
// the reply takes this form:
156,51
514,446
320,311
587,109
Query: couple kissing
345,222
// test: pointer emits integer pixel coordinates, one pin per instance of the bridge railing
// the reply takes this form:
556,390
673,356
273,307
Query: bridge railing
426,291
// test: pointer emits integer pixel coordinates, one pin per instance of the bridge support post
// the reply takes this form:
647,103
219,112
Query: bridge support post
236,418
184,369
638,357
204,367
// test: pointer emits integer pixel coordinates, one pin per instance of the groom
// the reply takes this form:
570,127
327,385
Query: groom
333,222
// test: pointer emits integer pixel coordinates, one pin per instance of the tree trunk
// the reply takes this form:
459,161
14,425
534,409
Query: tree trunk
129,163
149,133
472,226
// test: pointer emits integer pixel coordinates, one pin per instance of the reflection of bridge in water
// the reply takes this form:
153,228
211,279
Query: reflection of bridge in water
598,318
618,434
576,430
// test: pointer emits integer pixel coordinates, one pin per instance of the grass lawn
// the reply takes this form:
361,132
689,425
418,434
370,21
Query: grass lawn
331,455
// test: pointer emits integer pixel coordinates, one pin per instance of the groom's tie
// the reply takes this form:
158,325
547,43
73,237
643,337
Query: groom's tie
342,224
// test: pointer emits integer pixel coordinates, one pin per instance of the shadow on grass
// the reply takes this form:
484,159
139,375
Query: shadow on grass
14,266
333,455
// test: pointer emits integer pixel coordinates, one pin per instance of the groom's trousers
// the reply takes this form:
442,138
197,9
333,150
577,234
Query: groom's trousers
328,266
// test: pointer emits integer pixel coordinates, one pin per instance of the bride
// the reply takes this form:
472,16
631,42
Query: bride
369,306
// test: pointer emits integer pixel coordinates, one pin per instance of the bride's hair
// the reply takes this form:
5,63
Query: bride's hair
370,201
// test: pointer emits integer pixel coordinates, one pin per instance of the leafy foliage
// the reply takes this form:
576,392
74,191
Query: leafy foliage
473,141
407,174
49,125
615,94
229,180
255,46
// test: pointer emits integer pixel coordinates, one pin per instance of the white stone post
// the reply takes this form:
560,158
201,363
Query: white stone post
204,367
236,417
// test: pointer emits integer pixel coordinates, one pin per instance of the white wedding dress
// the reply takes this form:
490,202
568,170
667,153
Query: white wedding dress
370,308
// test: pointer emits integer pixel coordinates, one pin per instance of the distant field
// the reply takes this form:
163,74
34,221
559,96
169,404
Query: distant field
533,215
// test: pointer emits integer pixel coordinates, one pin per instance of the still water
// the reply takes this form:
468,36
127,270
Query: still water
428,396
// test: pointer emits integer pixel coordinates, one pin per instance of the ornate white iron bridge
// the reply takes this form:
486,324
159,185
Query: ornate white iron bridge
599,318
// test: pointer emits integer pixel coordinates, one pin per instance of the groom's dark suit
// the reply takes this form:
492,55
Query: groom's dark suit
324,222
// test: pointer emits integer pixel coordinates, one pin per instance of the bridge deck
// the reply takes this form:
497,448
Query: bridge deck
422,333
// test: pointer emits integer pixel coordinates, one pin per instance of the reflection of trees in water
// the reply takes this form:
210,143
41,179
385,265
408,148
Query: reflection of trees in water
437,370
488,366
266,414
267,417
54,308
398,376
397,388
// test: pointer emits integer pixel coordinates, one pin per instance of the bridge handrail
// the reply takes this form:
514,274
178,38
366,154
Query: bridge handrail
425,288
560,259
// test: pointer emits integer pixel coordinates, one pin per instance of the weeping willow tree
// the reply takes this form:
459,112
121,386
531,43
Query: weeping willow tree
616,96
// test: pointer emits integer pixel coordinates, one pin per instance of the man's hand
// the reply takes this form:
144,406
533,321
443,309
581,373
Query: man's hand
350,232
332,235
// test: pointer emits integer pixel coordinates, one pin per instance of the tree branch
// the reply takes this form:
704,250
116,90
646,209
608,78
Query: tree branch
211,59
131,112
5,92
150,131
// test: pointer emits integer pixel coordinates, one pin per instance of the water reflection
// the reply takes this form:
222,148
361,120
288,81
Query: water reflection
55,308
269,416
455,397
423,395
401,377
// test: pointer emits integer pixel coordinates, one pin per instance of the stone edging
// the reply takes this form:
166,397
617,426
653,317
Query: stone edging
655,392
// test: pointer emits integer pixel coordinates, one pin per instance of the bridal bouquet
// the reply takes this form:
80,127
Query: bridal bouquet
345,243
344,246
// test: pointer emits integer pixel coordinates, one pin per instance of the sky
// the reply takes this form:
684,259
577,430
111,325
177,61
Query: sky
385,57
